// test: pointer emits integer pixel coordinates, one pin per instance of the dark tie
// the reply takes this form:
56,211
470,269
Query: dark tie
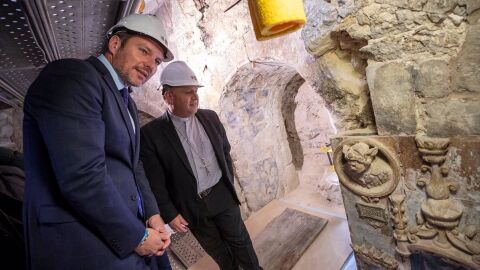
124,92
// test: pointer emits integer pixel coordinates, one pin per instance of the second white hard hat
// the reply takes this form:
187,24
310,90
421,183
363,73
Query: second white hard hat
145,24
178,73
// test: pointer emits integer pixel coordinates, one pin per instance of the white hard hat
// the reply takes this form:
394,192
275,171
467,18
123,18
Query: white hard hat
144,24
178,74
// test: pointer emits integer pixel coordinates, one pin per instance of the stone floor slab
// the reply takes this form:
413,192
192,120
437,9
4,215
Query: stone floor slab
283,241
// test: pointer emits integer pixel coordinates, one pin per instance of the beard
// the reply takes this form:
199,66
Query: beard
126,78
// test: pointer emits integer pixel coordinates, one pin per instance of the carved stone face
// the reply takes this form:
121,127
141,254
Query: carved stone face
356,166
359,156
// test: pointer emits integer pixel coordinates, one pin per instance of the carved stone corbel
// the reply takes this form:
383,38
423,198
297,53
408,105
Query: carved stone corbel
367,168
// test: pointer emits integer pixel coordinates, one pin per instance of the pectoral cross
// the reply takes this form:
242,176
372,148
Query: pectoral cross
205,165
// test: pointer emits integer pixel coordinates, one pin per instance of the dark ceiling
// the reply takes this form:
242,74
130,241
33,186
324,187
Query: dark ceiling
35,32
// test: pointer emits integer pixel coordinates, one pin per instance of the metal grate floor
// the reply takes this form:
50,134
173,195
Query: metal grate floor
186,248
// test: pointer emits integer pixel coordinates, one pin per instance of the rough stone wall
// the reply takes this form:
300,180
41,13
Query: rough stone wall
340,77
17,123
420,59
436,85
11,129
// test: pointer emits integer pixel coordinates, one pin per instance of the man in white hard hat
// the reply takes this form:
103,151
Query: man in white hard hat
87,202
186,155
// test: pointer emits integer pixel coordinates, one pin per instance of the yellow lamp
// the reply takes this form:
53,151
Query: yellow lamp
273,18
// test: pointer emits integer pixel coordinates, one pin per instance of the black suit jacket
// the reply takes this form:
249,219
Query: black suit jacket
82,171
169,172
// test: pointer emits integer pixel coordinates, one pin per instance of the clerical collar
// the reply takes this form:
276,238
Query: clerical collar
178,118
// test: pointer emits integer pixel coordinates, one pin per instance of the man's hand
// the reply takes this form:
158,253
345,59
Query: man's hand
156,222
153,245
179,224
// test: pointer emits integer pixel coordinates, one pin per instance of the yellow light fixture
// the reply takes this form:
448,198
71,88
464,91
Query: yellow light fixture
273,18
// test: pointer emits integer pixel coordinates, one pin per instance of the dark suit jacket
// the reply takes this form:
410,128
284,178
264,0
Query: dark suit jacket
82,171
169,172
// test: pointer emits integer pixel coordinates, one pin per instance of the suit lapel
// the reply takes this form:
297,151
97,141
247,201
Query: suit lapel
136,147
113,88
212,135
169,130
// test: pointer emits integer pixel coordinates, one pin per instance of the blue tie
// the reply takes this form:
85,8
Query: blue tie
124,92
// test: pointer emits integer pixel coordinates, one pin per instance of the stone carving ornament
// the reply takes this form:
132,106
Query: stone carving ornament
376,257
373,214
439,215
400,220
367,168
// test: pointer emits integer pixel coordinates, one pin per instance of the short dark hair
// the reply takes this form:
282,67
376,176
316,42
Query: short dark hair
124,36
166,88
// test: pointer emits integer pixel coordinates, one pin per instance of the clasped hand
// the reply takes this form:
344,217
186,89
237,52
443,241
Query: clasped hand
158,238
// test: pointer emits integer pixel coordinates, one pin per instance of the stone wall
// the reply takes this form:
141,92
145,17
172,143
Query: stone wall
340,77
420,59
11,129
408,70
17,123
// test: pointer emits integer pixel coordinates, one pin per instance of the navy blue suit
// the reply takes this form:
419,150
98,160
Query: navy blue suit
82,171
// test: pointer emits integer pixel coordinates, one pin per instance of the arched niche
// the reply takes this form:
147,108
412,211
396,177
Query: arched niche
257,107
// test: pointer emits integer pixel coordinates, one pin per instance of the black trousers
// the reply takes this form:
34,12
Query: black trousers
223,234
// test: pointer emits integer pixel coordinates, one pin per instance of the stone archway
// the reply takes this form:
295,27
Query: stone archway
257,107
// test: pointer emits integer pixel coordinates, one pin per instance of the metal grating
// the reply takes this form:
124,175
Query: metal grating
98,24
174,261
20,54
20,79
67,24
18,48
79,26
34,32
186,248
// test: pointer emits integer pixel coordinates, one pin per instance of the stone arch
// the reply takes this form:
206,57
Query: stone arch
257,106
